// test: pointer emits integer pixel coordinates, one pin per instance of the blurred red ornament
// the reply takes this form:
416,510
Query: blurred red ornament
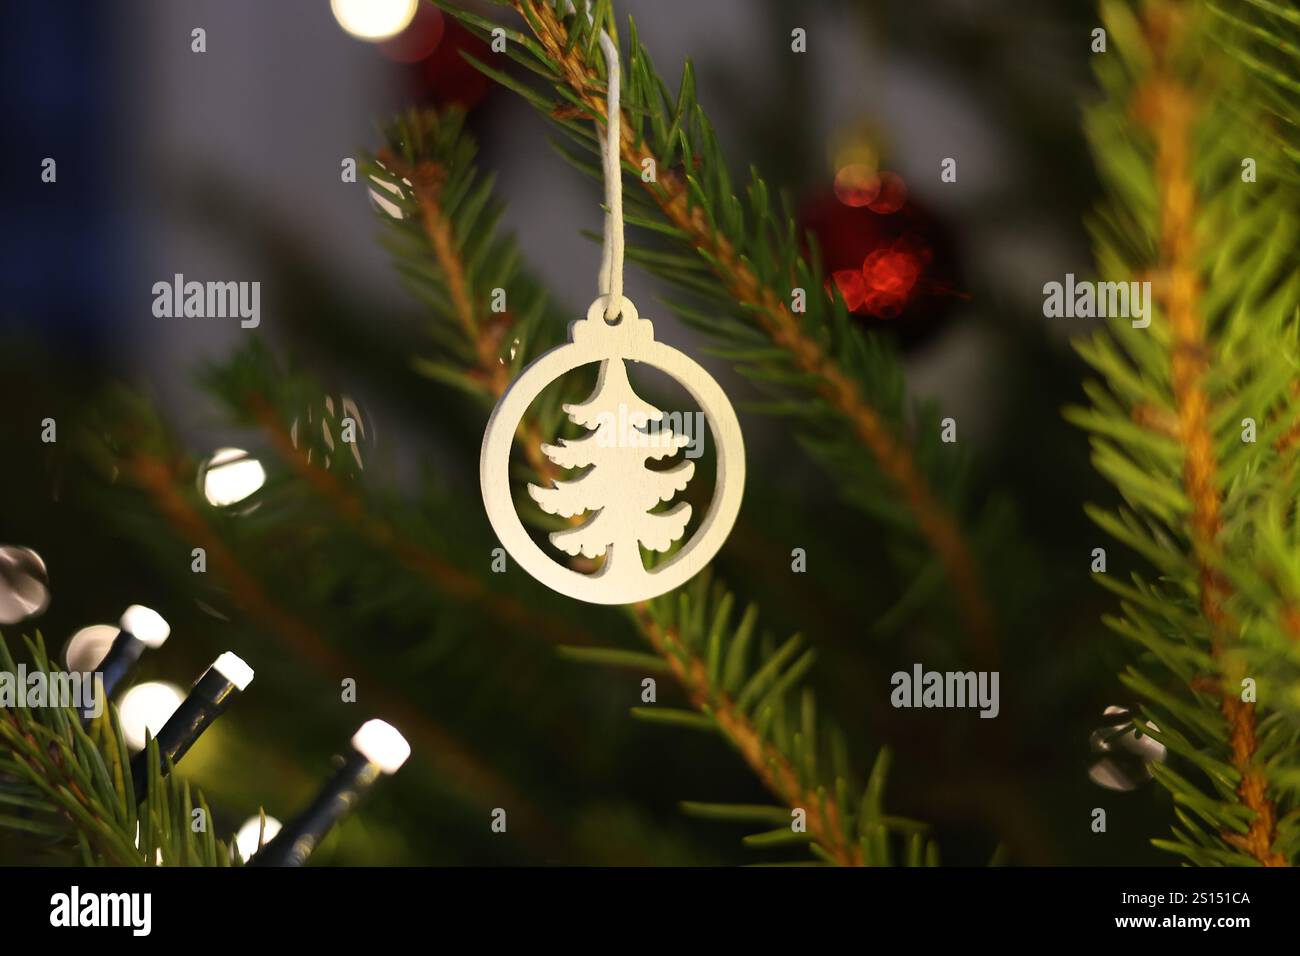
432,46
852,286
421,36
889,276
891,194
857,184
890,259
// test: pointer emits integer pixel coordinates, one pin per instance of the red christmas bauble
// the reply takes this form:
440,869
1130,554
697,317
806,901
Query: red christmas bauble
431,48
889,257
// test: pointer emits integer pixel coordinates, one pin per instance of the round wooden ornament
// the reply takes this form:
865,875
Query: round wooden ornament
617,490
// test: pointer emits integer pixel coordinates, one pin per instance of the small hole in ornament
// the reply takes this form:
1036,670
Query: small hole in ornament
615,320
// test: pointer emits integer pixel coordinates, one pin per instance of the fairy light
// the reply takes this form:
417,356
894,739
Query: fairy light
233,669
230,476
208,699
250,838
146,708
145,625
382,745
377,749
88,647
24,584
139,628
374,20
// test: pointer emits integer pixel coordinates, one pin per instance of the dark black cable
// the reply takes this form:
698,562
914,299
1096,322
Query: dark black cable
208,699
377,749
140,628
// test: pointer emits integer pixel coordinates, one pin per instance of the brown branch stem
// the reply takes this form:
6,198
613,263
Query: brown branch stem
446,577
824,816
1168,110
426,179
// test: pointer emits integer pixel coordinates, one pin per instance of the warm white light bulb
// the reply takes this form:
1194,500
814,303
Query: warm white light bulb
146,707
145,625
381,744
231,476
86,649
232,668
246,838
374,19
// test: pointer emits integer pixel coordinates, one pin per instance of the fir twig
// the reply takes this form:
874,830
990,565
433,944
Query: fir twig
71,795
1209,503
352,509
826,823
1168,109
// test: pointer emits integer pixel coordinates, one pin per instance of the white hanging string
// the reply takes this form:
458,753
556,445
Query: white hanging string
611,263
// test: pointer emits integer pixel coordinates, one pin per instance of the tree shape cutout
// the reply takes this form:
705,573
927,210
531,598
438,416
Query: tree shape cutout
617,487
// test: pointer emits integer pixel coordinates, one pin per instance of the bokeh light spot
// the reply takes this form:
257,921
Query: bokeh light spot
857,184
146,707
891,195
374,20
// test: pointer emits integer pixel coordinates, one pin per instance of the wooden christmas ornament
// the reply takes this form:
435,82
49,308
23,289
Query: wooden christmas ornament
618,493
617,490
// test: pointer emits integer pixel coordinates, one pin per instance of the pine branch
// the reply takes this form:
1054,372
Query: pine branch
755,723
351,508
767,761
1264,37
73,789
1168,109
1209,507
426,181
755,262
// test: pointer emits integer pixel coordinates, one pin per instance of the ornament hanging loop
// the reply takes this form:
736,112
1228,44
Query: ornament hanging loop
610,283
